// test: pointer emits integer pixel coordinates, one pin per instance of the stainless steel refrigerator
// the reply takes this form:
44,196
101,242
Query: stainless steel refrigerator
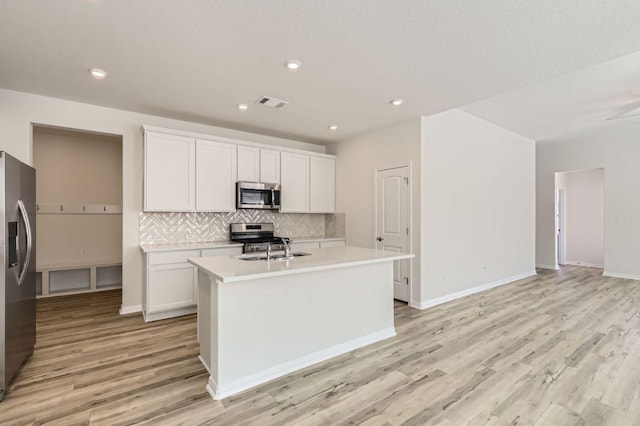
18,280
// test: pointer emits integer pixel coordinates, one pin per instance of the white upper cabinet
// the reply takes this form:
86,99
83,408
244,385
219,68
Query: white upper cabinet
216,168
294,176
248,164
186,172
322,185
269,166
169,172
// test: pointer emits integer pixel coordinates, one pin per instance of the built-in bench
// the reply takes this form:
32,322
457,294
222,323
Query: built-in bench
57,280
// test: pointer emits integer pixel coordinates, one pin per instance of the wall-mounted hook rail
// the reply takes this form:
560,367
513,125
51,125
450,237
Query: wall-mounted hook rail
42,208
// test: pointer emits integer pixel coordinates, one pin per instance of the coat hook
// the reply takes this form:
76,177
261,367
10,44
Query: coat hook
61,209
84,209
37,207
105,208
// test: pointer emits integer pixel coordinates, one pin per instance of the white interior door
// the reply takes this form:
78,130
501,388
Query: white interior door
392,222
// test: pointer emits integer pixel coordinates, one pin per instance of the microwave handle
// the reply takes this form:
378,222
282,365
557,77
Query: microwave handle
273,198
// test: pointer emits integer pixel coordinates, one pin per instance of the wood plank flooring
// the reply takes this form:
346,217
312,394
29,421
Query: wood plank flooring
562,348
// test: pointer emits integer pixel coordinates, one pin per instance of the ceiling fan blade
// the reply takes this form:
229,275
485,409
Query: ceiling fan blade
618,117
624,110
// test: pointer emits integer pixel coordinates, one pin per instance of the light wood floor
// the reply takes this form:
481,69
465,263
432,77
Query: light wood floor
562,348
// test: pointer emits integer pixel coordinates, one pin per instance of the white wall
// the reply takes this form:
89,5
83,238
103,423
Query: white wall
473,190
584,216
18,111
77,168
478,204
617,150
356,161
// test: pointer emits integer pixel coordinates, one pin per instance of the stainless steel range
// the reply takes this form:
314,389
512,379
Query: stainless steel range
257,237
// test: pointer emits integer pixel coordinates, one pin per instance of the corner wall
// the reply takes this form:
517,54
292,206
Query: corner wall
478,206
617,150
18,111
356,161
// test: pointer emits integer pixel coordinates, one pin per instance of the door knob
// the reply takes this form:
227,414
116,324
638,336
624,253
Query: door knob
379,238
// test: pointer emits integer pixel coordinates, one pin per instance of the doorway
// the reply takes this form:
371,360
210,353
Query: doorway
580,218
392,233
78,211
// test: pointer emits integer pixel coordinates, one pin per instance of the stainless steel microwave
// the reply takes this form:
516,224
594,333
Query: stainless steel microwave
255,195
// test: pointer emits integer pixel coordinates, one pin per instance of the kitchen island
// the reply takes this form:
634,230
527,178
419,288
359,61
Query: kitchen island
259,320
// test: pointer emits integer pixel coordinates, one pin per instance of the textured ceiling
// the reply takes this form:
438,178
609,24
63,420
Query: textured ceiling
603,95
195,60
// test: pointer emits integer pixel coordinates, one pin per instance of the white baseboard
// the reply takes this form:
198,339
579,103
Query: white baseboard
132,309
457,295
580,263
543,266
221,391
156,316
617,275
211,388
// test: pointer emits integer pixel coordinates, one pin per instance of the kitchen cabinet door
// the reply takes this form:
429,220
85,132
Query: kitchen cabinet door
169,172
307,245
216,168
322,185
225,251
269,166
294,177
171,287
248,164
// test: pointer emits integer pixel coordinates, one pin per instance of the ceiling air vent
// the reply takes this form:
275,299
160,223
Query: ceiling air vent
271,102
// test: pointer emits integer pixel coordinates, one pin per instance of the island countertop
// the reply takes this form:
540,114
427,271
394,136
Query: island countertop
228,269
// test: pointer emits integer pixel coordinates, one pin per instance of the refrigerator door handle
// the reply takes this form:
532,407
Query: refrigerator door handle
27,226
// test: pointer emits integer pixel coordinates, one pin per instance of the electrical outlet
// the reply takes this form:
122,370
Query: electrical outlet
157,237
189,237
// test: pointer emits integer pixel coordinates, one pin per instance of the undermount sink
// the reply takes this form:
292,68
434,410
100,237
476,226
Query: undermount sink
276,256
291,256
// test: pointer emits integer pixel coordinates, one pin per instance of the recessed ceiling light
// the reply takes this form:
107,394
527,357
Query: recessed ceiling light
333,127
97,73
397,102
293,64
243,107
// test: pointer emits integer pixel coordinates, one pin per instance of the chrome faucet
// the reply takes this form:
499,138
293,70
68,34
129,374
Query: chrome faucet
287,249
268,251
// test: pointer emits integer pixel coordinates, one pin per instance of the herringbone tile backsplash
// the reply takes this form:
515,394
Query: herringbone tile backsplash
161,228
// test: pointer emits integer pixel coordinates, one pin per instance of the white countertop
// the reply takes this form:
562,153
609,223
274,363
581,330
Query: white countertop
314,239
148,248
228,269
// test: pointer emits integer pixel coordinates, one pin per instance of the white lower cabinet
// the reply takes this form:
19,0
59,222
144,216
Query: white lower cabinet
171,287
333,243
304,246
309,245
226,251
